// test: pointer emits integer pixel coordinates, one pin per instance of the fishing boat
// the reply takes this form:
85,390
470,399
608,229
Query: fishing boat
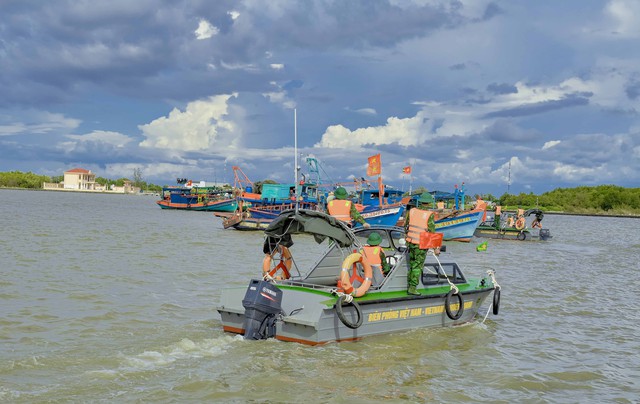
458,225
381,205
514,226
256,211
454,224
189,196
339,296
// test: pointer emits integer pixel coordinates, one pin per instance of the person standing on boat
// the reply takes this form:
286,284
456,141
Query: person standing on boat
375,255
416,221
343,209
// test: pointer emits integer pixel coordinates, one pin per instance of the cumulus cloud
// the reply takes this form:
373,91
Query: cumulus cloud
405,132
550,144
205,30
199,127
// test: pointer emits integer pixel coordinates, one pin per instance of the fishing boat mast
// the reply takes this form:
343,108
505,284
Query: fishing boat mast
295,158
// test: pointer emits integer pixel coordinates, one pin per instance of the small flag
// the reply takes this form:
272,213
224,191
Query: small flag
375,166
482,246
407,170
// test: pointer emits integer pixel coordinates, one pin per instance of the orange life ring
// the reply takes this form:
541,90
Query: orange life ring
284,264
520,223
347,279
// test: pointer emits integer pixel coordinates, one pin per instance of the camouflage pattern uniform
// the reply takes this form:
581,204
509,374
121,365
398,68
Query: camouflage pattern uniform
416,255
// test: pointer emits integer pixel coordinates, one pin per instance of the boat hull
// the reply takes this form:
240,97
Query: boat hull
316,319
512,234
217,206
460,227
385,216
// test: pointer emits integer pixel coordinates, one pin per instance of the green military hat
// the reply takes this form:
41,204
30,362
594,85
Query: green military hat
374,239
426,198
340,193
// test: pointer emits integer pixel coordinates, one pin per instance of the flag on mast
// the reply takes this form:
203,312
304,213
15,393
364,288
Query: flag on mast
406,170
375,166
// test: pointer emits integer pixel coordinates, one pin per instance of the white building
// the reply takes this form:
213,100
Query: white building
80,179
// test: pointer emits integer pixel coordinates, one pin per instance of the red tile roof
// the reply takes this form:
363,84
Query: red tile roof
78,170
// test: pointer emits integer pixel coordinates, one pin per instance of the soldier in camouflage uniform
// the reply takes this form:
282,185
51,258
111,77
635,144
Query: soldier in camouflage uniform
343,209
416,255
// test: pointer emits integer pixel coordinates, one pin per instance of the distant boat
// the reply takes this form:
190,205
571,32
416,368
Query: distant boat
381,206
452,220
459,225
187,196
256,211
511,226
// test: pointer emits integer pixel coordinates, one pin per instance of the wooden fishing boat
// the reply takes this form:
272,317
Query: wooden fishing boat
186,196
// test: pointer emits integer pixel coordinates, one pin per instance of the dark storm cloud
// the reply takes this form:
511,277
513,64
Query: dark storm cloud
633,90
502,88
58,48
504,131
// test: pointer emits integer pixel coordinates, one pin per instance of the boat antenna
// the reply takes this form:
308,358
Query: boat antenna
295,154
509,179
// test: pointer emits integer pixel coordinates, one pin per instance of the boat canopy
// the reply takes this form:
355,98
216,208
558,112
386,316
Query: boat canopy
537,212
318,224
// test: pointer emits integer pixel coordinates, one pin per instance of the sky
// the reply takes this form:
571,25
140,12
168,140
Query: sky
518,96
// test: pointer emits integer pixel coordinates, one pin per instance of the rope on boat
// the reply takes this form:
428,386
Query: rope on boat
451,285
487,313
492,274
347,297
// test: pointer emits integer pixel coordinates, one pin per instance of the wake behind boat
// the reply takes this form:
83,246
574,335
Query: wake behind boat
316,305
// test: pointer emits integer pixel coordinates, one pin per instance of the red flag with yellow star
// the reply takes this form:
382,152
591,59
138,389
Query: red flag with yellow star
375,166
407,170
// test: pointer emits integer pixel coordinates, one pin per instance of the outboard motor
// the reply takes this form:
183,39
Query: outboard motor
262,302
545,234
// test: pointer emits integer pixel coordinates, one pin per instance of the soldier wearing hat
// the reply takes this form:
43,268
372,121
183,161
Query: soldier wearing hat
374,254
417,220
343,209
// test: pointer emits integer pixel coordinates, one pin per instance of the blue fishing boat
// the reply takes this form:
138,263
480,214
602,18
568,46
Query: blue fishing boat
383,206
452,220
256,211
189,196
459,225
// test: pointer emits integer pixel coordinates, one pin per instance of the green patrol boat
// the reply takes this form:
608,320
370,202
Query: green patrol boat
339,296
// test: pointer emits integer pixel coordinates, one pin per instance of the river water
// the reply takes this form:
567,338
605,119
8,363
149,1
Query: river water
108,298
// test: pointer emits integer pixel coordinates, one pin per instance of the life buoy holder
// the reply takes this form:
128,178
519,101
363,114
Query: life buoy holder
347,279
520,223
283,256
447,304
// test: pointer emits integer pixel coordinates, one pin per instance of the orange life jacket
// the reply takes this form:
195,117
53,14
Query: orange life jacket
340,209
418,223
372,254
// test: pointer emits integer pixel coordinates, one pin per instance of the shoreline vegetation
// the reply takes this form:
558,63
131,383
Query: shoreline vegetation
601,200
